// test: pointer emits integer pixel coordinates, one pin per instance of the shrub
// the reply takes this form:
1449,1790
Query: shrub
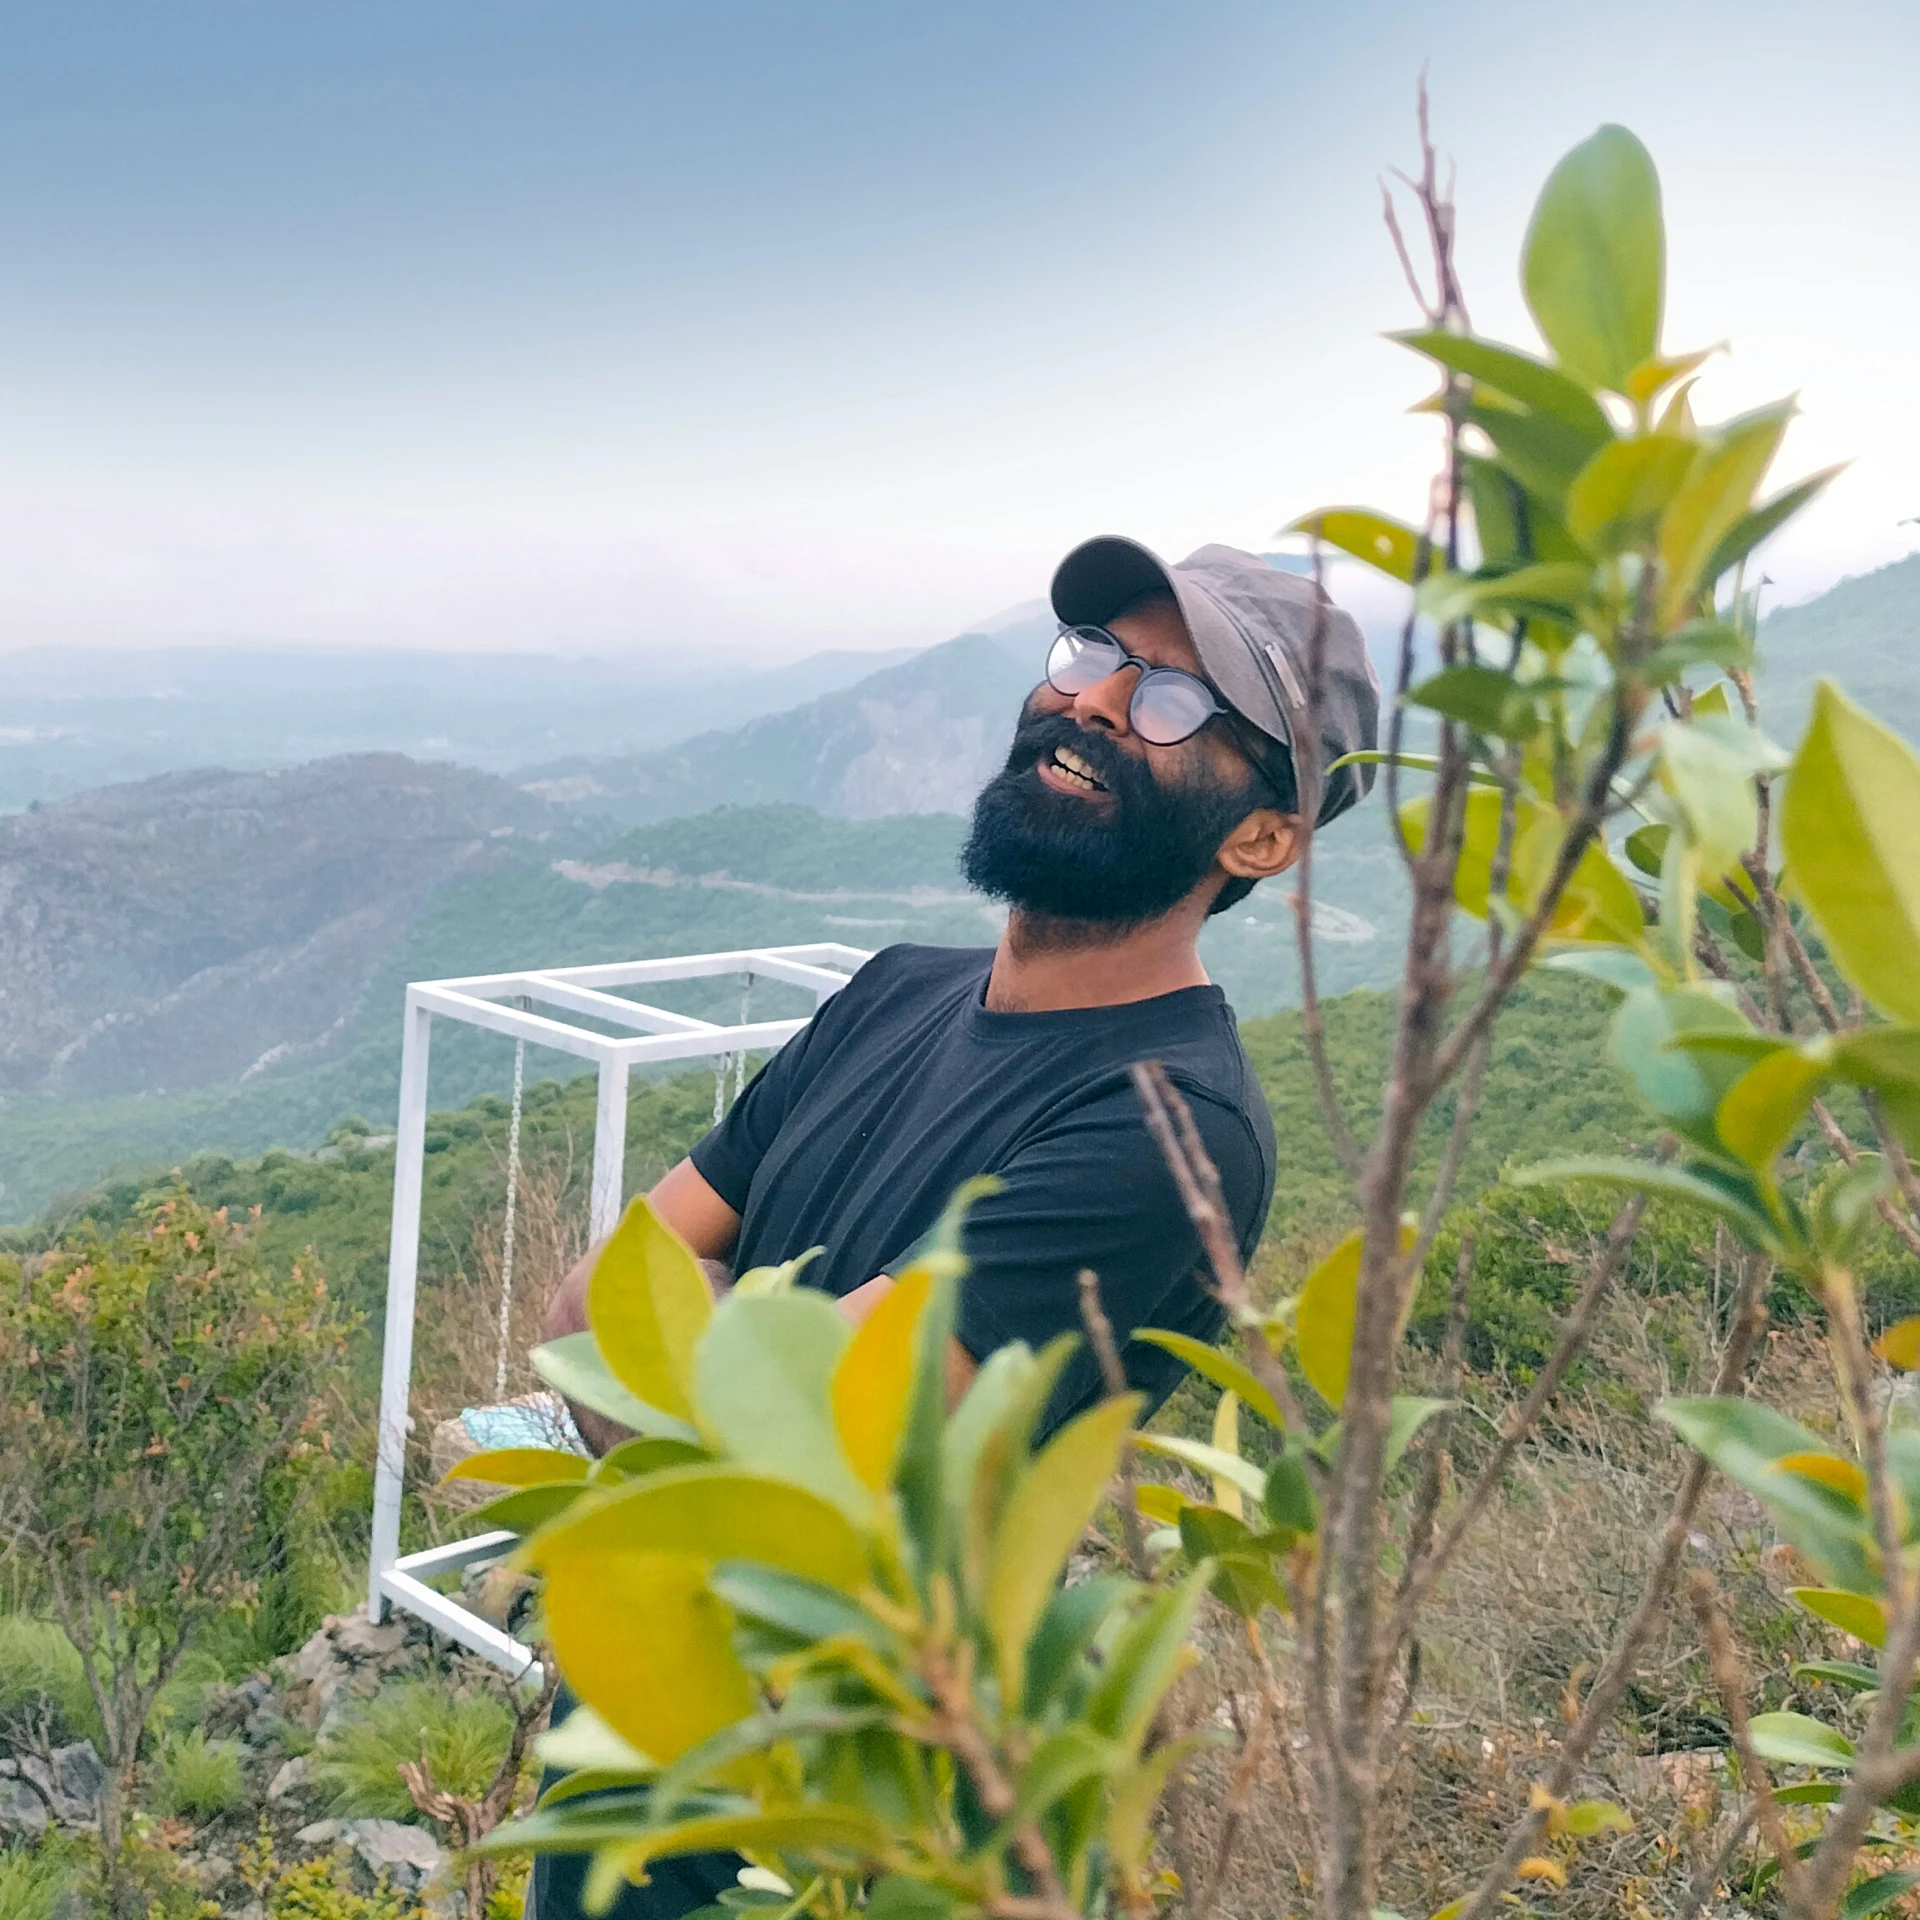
462,1738
199,1777
42,1683
35,1881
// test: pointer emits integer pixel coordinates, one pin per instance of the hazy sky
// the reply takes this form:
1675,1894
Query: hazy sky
598,327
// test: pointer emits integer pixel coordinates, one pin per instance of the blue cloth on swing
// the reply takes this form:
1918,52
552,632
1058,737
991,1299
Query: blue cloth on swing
518,1426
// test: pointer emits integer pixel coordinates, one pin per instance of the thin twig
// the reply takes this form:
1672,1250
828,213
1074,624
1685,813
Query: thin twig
1420,1576
1732,1686
1113,1374
1170,1122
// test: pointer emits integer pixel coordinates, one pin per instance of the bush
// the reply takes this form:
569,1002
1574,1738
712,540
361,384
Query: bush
199,1777
41,1679
462,1738
315,1890
34,1881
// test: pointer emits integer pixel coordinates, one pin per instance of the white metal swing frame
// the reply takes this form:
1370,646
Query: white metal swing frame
503,1003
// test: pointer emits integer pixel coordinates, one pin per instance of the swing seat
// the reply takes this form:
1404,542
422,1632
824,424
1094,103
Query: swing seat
532,1420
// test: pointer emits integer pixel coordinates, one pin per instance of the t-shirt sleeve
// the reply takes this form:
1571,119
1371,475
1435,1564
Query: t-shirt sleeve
1093,1191
729,1155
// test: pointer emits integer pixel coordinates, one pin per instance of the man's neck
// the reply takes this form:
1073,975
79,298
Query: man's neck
1046,966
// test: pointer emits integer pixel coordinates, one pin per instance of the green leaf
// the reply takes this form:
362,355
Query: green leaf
717,1511
1746,1440
1700,643
518,1467
1797,1740
1323,1321
1145,1660
1407,1413
803,1609
1595,261
1049,1506
1878,1894
1810,1793
1389,545
1847,829
763,1372
1482,698
1741,1210
895,1896
584,1741
1059,1764
573,1366
1215,1462
1221,1368
1856,1613
1717,493
647,1303
634,1459
1553,588
1886,1062
1289,1500
1849,1674
1683,1087
1751,528
1477,775
528,1508
1617,967
1617,498
842,1834
1519,376
918,1473
1763,1109
1067,1626
1541,453
1646,847
1242,1562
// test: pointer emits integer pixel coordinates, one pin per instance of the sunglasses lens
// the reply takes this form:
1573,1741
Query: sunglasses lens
1081,658
1169,707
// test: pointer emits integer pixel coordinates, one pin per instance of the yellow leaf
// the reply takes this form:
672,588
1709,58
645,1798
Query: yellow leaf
647,1303
519,1467
716,1511
1160,1502
1828,1469
1899,1346
1585,1818
1538,1867
646,1645
1226,1436
873,1384
1323,1318
1856,1613
1042,1520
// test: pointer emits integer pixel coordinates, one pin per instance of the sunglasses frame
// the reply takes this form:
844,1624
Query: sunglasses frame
1147,671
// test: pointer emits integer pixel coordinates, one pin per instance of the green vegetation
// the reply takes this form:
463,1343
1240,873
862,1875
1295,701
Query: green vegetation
197,1776
462,1736
43,1685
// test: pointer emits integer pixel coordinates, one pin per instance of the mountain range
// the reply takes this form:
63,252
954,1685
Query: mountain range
217,959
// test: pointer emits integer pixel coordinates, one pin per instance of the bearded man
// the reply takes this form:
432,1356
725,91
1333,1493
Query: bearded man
1151,783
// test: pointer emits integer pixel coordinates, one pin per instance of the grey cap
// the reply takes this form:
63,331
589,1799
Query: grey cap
1253,628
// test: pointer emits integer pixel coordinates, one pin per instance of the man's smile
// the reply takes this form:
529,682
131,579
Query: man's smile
1069,772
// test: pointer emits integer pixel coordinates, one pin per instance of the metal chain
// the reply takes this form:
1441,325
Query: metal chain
506,1234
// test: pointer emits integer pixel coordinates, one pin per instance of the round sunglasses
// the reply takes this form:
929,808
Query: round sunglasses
1167,705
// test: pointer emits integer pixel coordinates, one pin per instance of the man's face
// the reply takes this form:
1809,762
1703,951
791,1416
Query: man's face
1089,822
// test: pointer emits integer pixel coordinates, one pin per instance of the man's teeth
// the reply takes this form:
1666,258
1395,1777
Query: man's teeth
1074,767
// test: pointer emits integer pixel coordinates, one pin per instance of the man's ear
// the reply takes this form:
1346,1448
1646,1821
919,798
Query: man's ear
1266,842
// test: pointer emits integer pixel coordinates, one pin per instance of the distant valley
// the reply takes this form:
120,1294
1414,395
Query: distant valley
217,959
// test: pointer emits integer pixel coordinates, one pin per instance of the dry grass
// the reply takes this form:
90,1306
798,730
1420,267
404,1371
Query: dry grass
1516,1632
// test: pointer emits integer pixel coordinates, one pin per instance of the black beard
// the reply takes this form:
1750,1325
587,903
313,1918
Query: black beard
1112,863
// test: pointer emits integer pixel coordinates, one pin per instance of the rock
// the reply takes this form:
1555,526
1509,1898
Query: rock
72,1784
256,1690
317,1655
23,1814
210,1871
359,1639
295,1777
410,1856
318,1833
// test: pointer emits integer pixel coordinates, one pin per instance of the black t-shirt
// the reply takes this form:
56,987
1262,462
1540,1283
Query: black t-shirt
903,1085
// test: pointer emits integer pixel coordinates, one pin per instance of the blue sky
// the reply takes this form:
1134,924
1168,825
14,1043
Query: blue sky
765,327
